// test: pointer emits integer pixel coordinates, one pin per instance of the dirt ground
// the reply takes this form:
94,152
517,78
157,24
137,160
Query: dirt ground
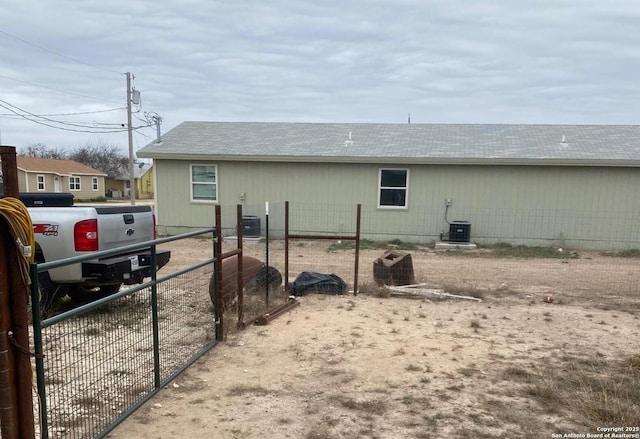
370,366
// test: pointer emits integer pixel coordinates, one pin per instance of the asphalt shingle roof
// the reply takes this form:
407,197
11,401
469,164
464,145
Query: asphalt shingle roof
388,142
55,166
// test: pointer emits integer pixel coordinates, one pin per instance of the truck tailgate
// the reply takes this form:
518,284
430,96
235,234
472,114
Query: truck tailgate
124,225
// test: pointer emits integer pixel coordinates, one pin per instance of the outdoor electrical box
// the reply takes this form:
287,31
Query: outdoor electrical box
459,231
250,226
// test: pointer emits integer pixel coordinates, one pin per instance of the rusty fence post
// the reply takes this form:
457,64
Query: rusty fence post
286,247
16,401
8,393
240,233
9,171
220,304
355,273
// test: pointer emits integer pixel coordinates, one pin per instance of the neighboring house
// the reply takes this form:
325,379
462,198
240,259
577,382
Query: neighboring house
52,175
118,187
565,185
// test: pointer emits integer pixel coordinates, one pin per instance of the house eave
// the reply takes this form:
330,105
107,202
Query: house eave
397,160
59,174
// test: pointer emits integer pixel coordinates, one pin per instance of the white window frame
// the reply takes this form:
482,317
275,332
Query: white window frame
74,181
41,182
214,183
405,188
95,184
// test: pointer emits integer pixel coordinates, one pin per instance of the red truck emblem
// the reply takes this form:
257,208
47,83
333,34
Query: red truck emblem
46,229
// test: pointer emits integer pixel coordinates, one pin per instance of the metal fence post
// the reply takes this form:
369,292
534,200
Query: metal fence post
220,319
37,346
216,285
355,275
16,376
156,323
286,246
240,278
266,233
14,324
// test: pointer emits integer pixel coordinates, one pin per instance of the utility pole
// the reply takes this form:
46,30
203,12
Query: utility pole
132,180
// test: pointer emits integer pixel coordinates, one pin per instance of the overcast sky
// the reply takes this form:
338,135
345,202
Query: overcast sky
442,61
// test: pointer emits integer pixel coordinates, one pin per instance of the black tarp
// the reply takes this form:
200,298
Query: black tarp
312,282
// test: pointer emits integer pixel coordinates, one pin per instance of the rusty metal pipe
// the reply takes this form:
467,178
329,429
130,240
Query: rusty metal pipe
8,395
240,278
7,407
220,322
329,237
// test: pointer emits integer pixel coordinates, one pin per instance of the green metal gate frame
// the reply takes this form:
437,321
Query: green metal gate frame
159,383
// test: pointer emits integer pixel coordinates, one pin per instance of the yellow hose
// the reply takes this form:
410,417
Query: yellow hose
19,220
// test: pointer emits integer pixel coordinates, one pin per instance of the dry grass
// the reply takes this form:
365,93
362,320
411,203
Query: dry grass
374,290
248,389
366,407
592,391
478,387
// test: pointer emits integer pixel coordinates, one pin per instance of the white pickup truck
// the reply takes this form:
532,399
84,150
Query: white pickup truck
63,230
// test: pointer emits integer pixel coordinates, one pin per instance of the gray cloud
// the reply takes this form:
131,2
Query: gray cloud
550,61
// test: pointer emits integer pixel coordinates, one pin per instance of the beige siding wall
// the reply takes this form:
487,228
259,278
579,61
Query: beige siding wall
574,207
86,191
22,181
28,182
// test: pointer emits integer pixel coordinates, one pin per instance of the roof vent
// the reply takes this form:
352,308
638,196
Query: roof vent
348,142
563,142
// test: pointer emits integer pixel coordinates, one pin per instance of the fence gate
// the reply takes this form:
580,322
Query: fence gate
97,363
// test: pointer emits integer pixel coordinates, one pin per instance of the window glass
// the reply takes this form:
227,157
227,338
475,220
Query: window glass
74,183
394,178
203,183
393,188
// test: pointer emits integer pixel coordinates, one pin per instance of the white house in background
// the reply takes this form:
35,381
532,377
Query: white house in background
572,185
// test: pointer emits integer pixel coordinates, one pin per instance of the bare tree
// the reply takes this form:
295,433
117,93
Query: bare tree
106,158
43,151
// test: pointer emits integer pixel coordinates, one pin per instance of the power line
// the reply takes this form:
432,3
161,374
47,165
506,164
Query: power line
11,107
144,135
58,90
59,54
80,113
7,105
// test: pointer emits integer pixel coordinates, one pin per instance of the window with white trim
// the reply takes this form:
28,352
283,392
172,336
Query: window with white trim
40,182
204,183
94,183
74,183
393,189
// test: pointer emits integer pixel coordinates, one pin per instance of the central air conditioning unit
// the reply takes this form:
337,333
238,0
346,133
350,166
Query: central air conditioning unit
459,231
250,226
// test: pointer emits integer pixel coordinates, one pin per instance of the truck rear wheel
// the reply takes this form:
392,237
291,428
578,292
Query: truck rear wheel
85,294
50,293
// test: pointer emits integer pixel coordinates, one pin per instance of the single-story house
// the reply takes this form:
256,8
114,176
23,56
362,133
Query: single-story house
575,186
118,186
53,175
